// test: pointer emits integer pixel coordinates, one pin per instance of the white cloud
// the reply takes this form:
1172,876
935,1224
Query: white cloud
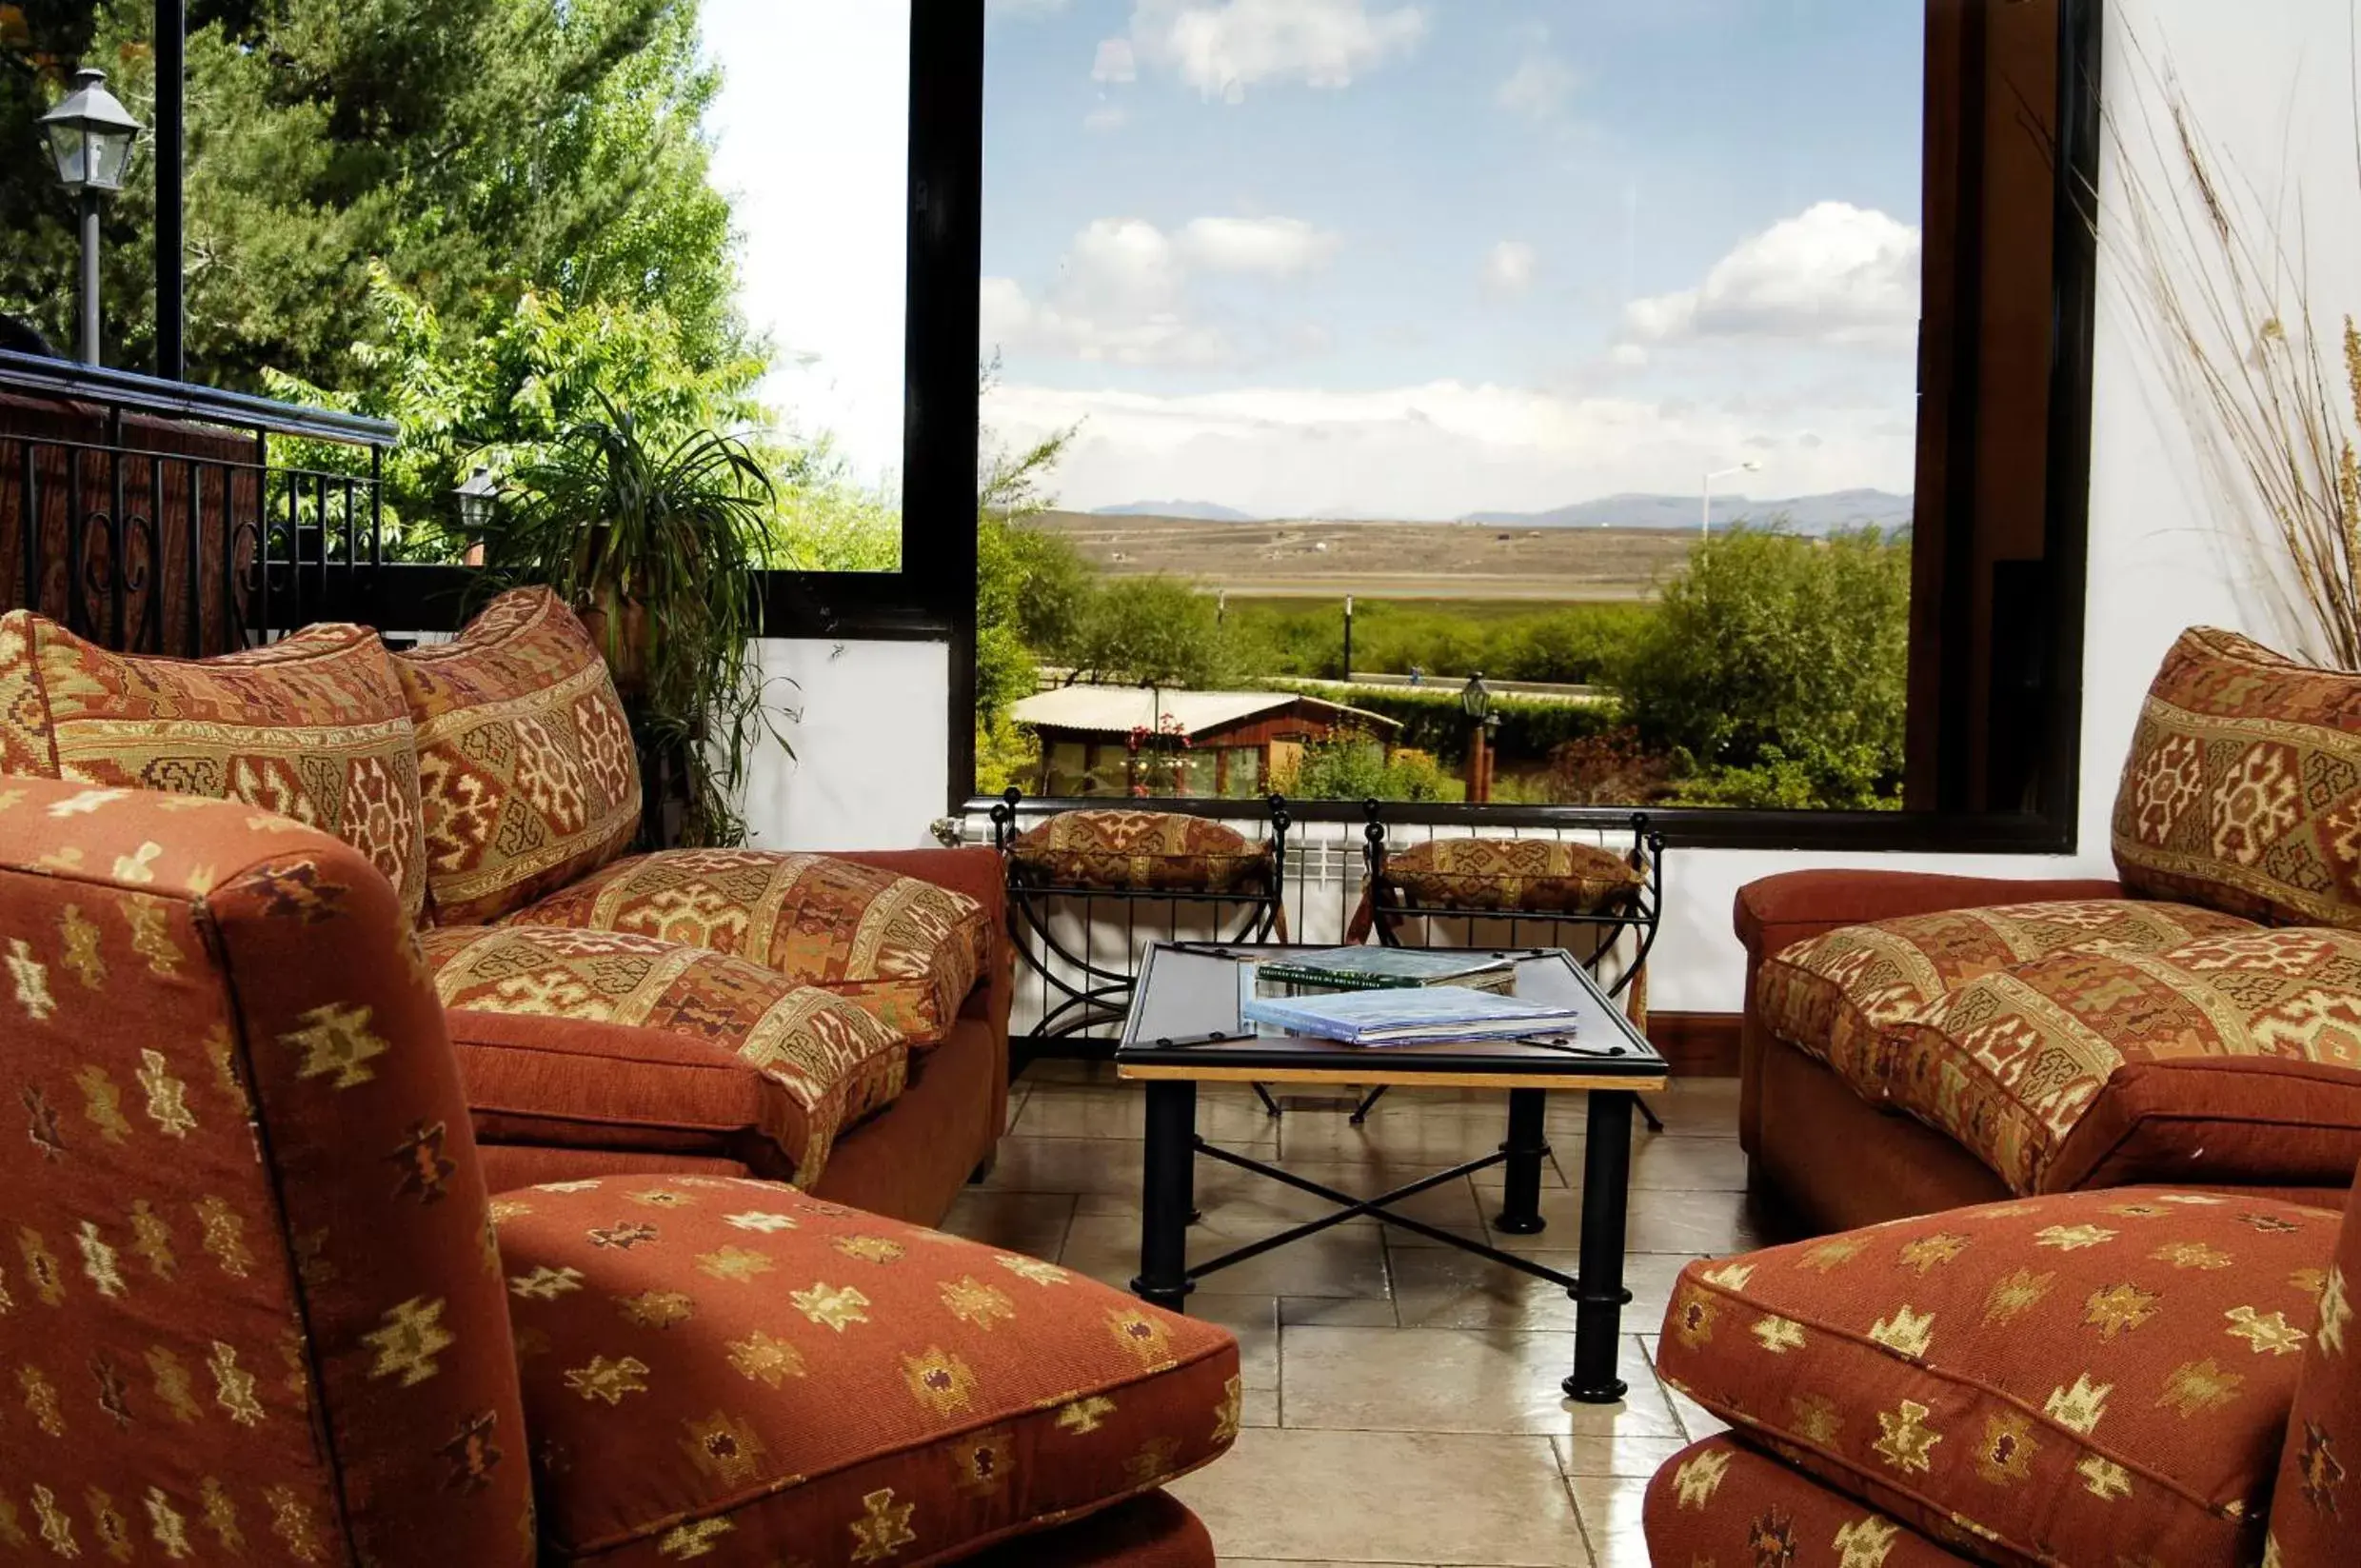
1835,273
1540,87
1024,11
1106,117
1115,62
1277,247
1437,450
1120,291
1223,47
1510,267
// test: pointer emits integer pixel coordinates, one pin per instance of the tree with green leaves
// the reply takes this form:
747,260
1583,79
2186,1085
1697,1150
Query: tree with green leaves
474,151
1779,665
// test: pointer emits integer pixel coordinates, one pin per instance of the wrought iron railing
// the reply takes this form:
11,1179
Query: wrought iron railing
154,516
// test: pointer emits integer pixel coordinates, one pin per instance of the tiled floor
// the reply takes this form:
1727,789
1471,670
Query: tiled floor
1402,1398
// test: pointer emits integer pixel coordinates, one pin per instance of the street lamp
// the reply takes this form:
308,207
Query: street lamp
1476,702
1705,521
478,496
91,137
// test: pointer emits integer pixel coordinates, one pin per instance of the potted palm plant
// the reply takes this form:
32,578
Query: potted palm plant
656,542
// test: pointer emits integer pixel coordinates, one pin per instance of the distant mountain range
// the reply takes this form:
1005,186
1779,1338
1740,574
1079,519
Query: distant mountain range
1808,514
1192,511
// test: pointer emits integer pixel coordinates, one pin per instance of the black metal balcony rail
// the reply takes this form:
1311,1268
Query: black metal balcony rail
153,516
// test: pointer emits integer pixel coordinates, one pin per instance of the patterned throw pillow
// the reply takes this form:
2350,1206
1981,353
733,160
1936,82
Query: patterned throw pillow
2092,1378
1832,996
1137,851
584,1003
524,759
906,950
2243,787
2230,1059
313,727
1520,876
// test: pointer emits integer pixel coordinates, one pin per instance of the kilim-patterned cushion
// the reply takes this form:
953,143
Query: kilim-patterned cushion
1722,1502
2227,1058
1513,875
1832,996
524,759
1138,851
313,727
906,950
571,1036
2318,1503
250,1310
725,1367
2091,1377
2243,787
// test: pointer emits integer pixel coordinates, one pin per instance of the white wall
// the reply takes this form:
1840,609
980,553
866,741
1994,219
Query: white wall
2270,85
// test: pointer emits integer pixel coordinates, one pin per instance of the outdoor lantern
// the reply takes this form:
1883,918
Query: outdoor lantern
1475,701
476,494
91,136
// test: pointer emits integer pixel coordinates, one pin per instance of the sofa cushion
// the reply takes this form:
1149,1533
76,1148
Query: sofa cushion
906,950
628,1041
731,1367
1522,876
2095,1377
2230,1059
1137,851
524,759
2315,1507
2243,787
1834,996
1721,1501
313,727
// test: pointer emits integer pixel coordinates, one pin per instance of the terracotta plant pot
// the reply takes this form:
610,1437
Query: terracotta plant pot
625,636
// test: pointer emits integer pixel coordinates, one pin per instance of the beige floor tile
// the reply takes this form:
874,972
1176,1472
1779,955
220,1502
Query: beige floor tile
1255,1321
1681,1164
1344,1262
1059,1070
1017,1093
1434,1288
1703,1223
1610,1507
1230,1195
1686,1112
1592,1454
1304,1497
1258,1407
1335,1311
1030,1222
1431,1138
1496,1380
1070,1165
1227,1115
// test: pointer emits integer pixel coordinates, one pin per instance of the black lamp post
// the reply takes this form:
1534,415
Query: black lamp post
478,495
1476,702
91,136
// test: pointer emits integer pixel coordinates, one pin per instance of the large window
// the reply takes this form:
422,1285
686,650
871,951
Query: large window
1710,380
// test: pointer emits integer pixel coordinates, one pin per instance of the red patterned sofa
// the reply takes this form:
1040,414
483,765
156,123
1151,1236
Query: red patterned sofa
2134,1378
256,1305
1916,1043
841,1021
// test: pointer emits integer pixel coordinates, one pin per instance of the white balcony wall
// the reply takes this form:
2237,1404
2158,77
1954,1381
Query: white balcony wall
2271,86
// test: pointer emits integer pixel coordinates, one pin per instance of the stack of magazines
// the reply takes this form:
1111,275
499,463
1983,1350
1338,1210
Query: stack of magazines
1409,1014
1391,968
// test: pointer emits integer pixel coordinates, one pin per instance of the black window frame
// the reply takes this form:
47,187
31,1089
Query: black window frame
932,598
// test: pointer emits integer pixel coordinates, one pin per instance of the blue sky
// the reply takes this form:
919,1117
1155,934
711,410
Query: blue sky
1381,257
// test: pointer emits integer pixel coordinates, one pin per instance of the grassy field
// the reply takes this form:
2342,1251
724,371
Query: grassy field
1382,561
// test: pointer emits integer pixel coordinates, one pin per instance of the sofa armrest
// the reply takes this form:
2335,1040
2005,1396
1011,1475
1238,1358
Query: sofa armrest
976,871
1776,912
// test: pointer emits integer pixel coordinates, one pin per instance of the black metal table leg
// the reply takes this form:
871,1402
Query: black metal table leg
1167,1197
1527,1146
1599,1298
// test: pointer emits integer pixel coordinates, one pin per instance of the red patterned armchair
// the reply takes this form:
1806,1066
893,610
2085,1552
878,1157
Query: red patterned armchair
256,1305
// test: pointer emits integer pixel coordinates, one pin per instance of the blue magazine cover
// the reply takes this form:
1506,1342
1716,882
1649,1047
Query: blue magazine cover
1407,1017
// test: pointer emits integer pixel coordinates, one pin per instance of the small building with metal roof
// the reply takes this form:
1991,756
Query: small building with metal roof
1127,740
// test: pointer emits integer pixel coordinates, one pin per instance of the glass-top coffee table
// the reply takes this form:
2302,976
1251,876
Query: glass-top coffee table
1186,1028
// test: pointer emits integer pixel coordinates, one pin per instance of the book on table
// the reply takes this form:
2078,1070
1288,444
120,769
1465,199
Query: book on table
1392,969
1415,1015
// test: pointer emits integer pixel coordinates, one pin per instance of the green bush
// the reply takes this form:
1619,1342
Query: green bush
1569,643
1778,663
1353,766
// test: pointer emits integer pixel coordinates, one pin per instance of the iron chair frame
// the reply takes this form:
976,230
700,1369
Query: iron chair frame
1642,913
1102,996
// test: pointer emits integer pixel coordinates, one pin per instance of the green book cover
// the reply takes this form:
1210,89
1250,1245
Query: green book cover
1392,969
